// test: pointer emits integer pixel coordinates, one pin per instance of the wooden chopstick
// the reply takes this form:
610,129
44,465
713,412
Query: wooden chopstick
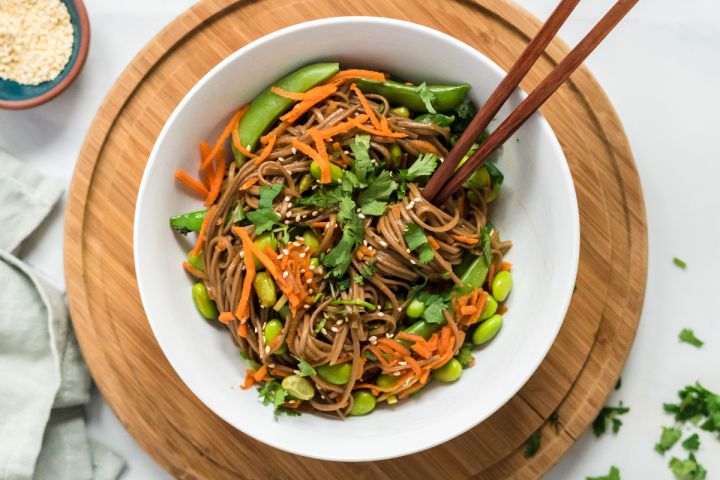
496,100
538,96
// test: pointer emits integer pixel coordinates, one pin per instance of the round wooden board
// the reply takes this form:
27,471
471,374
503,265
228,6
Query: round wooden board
189,440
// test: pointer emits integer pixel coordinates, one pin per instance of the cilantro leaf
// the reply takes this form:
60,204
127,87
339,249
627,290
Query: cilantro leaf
238,214
464,114
486,243
668,438
696,404
688,336
273,393
553,420
679,263
373,207
427,96
320,326
379,188
434,306
339,258
423,166
464,356
323,198
687,469
346,212
263,219
362,165
692,442
614,474
533,445
268,194
416,240
304,368
608,416
618,384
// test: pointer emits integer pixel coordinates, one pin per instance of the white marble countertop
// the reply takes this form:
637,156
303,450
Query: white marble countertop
661,70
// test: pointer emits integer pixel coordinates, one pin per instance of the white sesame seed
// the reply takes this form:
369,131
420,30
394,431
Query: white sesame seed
418,199
361,216
410,205
388,335
290,204
281,159
314,212
407,250
285,274
399,309
334,329
339,322
311,267
308,281
345,151
248,147
383,243
242,254
279,257
402,363
302,270
380,314
267,349
285,251
371,248
293,150
287,222
302,255
287,198
324,331
397,374
255,329
310,290
289,214
365,243
296,244
372,338
271,365
298,217
413,262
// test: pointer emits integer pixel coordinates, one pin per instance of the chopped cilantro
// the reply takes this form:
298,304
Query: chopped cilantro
464,114
265,217
697,404
679,263
618,384
373,207
273,393
687,469
688,336
614,474
691,443
496,176
347,210
434,306
304,369
339,258
238,214
323,197
553,420
608,416
416,240
379,188
362,165
464,356
486,243
268,194
423,166
533,445
668,438
427,96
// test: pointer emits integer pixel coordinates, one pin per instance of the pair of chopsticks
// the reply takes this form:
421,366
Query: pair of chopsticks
439,188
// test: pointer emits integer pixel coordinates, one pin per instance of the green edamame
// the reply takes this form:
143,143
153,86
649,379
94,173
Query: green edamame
487,330
395,156
314,262
196,261
501,285
299,387
384,380
479,179
489,309
401,112
363,403
272,330
494,193
437,118
336,173
335,374
306,181
188,222
446,97
205,306
449,372
311,240
264,286
267,107
262,242
415,308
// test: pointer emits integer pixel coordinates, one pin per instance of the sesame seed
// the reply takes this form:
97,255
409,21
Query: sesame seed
365,243
324,331
287,222
308,281
267,349
285,274
399,309
361,216
298,217
248,147
407,250
410,205
242,254
310,290
345,151
311,267
383,243
373,338
302,270
271,365
397,374
255,329
371,248
339,322
287,198
302,255
296,244
290,204
289,214
388,335
334,329
314,212
380,314
402,363
413,262
281,159
293,150
285,251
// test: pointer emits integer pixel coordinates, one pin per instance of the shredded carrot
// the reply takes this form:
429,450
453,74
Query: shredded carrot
276,372
468,309
394,345
422,349
254,251
238,145
249,183
506,266
192,270
409,391
190,182
242,311
414,365
242,330
202,232
382,133
344,126
216,181
321,160
322,91
465,239
433,243
325,173
260,373
232,125
277,131
357,73
479,306
266,151
319,224
366,105
249,379
226,317
207,173
424,146
300,108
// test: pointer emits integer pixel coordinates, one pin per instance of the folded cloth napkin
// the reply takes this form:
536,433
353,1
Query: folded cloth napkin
44,382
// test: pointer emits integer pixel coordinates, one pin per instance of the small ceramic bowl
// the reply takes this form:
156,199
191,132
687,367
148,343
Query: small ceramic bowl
15,96
537,211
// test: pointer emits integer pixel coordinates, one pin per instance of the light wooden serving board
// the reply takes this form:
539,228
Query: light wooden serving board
181,433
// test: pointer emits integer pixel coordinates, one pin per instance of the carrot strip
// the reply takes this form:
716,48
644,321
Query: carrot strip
202,232
277,131
414,365
190,182
468,309
319,224
424,145
506,266
242,330
325,173
366,105
216,181
226,317
410,390
242,311
357,73
479,306
276,372
322,91
249,183
266,151
249,246
249,380
206,174
433,242
300,108
409,337
344,126
239,146
324,163
260,373
192,270
382,133
422,349
395,346
232,125
465,239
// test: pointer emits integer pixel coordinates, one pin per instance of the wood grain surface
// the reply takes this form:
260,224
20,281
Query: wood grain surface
191,442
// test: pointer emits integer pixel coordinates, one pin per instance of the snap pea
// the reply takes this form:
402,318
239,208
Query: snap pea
335,374
401,112
501,285
188,222
205,306
363,403
422,328
298,387
272,330
473,276
395,156
479,179
447,97
437,118
487,330
490,308
264,286
306,181
196,261
267,107
415,308
263,241
494,193
449,372
311,240
384,380
336,173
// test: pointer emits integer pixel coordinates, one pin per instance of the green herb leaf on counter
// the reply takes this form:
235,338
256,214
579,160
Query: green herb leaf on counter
679,263
608,417
554,421
691,443
687,335
427,96
687,469
668,438
618,384
533,444
697,404
613,475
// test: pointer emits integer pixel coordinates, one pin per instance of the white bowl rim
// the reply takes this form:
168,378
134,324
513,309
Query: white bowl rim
566,179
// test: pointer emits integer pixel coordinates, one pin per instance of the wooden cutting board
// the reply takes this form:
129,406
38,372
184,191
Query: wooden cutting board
181,433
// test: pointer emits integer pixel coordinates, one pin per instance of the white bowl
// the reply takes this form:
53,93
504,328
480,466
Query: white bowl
537,211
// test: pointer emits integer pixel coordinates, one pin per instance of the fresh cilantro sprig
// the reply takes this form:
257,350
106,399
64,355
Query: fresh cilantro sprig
339,258
697,404
264,217
434,306
679,263
273,393
427,96
687,335
465,356
609,416
416,239
362,164
374,198
304,369
423,166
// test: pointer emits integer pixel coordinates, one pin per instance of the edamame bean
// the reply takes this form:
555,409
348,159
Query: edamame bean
272,330
501,285
264,286
384,380
263,241
449,372
480,179
363,403
401,112
315,262
197,261
446,97
437,118
205,306
306,181
311,240
335,374
494,193
490,308
395,156
298,387
487,330
415,308
336,173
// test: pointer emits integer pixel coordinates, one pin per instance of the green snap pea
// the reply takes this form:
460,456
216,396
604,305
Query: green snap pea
306,181
395,156
473,276
263,241
336,173
205,306
501,285
267,107
490,308
363,403
401,112
311,240
299,387
272,330
447,97
487,330
449,372
437,118
384,380
188,222
415,308
197,261
422,328
479,179
335,374
494,193
264,286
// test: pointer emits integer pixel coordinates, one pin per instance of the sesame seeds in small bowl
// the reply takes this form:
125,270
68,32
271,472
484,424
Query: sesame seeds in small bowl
43,46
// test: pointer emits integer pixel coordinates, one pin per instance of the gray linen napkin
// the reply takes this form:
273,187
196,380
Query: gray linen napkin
44,383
